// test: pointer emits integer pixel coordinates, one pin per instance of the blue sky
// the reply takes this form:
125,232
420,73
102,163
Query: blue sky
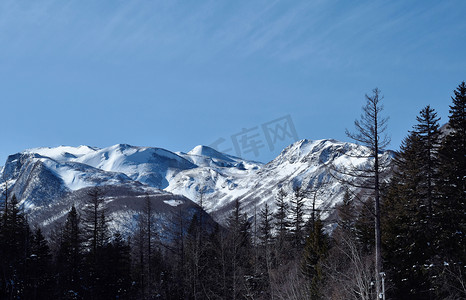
175,74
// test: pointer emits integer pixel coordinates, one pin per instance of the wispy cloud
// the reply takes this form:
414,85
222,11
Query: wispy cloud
278,30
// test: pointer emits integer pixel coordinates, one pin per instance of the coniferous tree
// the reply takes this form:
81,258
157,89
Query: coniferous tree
94,222
215,285
239,241
297,216
406,235
282,225
15,250
266,225
453,185
451,241
118,261
69,264
315,252
428,132
412,209
346,212
364,226
40,267
103,233
97,237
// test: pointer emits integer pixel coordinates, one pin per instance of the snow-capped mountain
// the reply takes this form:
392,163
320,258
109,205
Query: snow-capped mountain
306,163
48,180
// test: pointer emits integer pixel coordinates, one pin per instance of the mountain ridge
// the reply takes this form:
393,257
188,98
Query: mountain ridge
218,178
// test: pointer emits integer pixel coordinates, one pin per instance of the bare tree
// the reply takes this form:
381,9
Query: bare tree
452,281
369,132
289,284
266,237
347,270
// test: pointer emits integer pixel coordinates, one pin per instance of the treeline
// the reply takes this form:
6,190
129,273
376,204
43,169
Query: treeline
80,260
279,253
267,256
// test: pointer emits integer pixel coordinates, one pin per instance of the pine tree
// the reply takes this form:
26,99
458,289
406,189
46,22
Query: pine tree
406,234
282,225
69,263
364,227
411,206
428,131
40,267
450,237
3,248
15,250
346,212
297,216
215,285
118,263
95,223
266,225
239,241
453,185
314,254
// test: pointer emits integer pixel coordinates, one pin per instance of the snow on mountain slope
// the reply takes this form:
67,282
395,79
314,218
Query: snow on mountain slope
209,152
219,177
47,187
203,156
38,179
50,173
62,153
152,166
124,204
302,163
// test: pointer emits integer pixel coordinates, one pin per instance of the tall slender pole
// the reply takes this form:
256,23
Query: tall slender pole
382,274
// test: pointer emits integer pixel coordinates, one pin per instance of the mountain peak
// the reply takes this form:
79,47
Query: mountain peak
61,153
201,150
223,177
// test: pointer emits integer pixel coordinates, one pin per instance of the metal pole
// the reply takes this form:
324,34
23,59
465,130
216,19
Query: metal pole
382,294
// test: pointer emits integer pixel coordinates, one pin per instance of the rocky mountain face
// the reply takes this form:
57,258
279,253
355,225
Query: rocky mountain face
47,181
310,164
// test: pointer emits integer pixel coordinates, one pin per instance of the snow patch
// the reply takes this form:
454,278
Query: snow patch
174,202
